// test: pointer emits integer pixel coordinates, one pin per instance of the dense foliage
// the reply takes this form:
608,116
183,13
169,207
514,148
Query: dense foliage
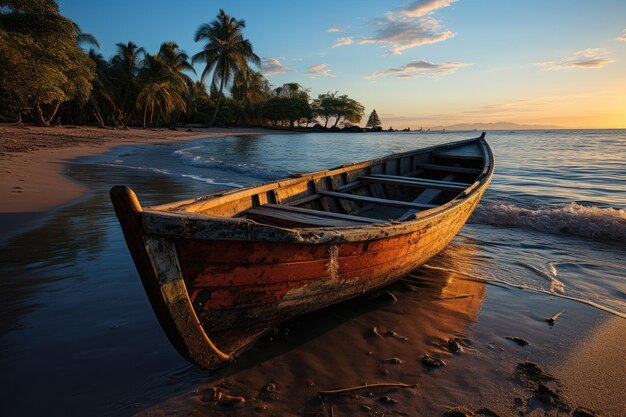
331,105
41,64
47,77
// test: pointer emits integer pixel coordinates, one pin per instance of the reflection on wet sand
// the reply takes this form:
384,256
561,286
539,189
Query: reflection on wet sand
369,340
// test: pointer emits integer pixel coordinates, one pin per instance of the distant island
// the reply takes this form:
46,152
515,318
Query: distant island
495,126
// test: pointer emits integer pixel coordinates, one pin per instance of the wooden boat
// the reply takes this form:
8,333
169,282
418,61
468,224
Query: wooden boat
221,269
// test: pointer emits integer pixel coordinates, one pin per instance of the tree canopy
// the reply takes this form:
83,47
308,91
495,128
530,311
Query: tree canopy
289,103
47,76
331,105
41,64
226,52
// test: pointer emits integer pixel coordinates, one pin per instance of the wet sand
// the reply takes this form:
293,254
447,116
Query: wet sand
338,348
78,337
32,161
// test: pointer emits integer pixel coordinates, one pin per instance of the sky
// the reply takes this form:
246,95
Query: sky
418,63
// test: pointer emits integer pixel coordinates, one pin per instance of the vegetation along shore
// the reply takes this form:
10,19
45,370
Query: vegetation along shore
51,73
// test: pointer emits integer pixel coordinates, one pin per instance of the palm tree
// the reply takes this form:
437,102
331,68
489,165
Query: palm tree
83,38
225,52
102,89
159,90
126,65
177,60
251,91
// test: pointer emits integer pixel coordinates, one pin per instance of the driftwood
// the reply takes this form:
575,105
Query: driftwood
552,319
348,390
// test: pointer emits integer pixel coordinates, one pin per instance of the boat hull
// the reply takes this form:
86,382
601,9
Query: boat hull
240,289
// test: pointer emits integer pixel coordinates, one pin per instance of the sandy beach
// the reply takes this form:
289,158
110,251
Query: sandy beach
77,328
32,161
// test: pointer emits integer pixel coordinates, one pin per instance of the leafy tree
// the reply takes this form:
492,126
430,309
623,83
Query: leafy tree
289,103
326,106
373,121
41,65
287,109
225,52
292,90
330,105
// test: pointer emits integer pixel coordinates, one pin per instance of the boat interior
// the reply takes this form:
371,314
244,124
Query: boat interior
394,188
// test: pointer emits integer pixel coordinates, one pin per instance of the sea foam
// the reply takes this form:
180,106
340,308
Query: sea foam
170,173
262,172
598,223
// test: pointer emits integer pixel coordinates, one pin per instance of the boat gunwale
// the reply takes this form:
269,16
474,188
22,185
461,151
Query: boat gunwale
181,205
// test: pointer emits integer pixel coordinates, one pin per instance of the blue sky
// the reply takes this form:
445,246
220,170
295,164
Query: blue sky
424,62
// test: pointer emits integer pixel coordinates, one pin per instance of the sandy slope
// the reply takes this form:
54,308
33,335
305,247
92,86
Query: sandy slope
32,160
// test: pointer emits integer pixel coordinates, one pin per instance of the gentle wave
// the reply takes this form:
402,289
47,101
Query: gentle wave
168,172
598,223
262,172
504,283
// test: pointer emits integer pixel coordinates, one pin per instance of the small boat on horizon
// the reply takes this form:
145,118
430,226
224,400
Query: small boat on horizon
222,269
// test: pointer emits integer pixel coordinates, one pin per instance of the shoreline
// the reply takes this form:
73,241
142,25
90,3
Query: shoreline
33,160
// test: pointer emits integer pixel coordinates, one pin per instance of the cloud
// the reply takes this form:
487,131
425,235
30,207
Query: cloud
423,7
319,70
343,42
401,32
420,69
272,66
622,37
587,58
336,29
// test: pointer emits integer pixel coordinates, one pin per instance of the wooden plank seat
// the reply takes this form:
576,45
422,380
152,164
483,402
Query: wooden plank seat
375,200
416,182
471,152
426,196
297,216
447,168
419,179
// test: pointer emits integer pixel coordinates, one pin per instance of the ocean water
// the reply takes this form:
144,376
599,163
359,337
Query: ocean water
553,219
77,333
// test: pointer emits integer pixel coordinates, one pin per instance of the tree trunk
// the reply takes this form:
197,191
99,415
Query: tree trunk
219,97
39,115
54,111
337,121
145,112
98,117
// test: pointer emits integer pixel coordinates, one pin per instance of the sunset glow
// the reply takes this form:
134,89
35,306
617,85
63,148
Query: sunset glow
421,63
